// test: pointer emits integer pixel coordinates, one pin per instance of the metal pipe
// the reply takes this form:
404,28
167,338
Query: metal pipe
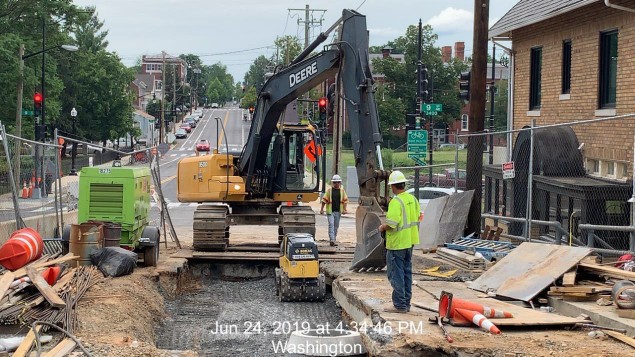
320,38
585,226
608,4
530,179
16,207
57,194
573,123
456,161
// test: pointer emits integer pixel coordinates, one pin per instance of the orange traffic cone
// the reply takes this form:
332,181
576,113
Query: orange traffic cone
479,320
25,191
51,274
448,304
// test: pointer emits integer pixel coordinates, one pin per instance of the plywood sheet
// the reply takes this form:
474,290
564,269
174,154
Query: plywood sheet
444,219
529,269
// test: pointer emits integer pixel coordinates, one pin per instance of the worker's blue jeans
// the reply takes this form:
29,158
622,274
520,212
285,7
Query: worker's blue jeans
399,271
334,224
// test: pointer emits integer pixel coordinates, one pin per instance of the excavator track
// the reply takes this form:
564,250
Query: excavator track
210,228
296,219
300,290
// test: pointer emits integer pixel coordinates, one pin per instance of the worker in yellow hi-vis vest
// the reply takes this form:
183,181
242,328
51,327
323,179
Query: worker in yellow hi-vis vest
335,200
402,233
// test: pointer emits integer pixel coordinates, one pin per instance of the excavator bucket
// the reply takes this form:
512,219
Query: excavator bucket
370,250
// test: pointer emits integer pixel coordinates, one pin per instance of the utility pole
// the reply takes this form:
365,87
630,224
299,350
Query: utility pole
162,99
476,122
174,95
308,21
18,118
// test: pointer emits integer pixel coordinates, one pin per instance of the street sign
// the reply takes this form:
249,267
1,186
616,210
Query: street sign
508,170
418,142
27,112
431,108
419,162
417,155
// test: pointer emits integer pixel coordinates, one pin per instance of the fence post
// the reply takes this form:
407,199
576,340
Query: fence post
558,235
417,169
58,186
19,223
631,245
590,238
530,182
456,161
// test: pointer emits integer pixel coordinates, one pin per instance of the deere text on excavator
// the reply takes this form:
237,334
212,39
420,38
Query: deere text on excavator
251,187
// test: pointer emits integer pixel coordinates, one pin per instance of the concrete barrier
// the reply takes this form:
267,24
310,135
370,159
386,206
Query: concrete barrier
45,225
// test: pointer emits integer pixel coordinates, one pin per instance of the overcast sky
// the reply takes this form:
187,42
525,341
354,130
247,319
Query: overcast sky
212,28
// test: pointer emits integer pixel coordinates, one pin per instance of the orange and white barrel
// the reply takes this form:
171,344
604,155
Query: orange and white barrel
23,247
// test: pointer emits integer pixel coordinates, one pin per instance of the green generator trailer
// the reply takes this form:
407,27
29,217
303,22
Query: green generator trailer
120,195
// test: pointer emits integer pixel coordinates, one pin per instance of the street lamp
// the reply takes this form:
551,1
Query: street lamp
74,116
18,111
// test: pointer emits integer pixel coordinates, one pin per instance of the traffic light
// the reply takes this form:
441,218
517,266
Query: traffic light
423,83
464,85
251,110
37,104
322,104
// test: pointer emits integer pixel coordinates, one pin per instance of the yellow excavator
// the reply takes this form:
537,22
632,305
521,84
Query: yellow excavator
267,181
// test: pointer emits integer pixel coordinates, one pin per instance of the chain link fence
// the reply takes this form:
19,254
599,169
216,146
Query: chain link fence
563,183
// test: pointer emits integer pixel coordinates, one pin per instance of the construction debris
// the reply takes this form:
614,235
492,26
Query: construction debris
462,260
490,250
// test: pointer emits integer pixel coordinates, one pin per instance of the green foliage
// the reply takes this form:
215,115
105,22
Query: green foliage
220,84
289,47
250,97
255,77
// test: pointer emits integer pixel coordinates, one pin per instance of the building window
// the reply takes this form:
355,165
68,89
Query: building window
610,168
464,121
535,78
566,67
608,69
593,166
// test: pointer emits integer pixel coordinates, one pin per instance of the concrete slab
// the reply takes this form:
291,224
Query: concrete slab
600,315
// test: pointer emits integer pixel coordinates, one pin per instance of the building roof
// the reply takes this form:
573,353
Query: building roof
528,12
159,58
144,78
143,114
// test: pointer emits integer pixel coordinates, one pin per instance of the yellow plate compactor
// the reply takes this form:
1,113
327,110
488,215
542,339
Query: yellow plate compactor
298,278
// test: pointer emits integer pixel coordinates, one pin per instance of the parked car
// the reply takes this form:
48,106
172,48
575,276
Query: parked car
180,133
214,105
451,146
203,145
445,179
191,122
429,193
186,127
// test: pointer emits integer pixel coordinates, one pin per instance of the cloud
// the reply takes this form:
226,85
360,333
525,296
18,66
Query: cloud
452,20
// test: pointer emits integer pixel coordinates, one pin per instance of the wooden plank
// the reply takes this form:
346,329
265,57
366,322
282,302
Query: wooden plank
45,289
568,279
62,349
5,281
573,289
22,271
621,337
608,271
26,344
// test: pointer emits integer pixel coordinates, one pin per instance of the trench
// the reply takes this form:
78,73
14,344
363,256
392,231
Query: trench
232,309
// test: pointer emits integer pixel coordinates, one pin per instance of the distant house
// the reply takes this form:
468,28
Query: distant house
145,123
571,60
142,88
153,65
386,52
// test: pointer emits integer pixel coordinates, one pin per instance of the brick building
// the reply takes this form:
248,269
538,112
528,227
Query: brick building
153,65
571,61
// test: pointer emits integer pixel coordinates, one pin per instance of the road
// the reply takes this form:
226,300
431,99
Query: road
236,131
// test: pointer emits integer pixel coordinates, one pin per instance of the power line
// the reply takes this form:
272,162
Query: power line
360,5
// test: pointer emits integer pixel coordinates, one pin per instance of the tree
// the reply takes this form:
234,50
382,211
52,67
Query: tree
256,75
289,47
88,33
250,98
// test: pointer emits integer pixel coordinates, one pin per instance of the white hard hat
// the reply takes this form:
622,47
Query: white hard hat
396,177
336,178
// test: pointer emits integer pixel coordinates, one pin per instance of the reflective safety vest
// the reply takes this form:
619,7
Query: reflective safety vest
328,201
403,218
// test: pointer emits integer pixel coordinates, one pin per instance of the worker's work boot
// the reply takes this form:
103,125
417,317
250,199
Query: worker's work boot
396,310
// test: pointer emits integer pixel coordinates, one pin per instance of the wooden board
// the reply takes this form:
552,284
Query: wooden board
26,344
568,279
22,271
609,271
5,281
45,289
63,348
621,337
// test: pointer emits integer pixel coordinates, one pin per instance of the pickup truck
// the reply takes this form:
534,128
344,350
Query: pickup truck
444,179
